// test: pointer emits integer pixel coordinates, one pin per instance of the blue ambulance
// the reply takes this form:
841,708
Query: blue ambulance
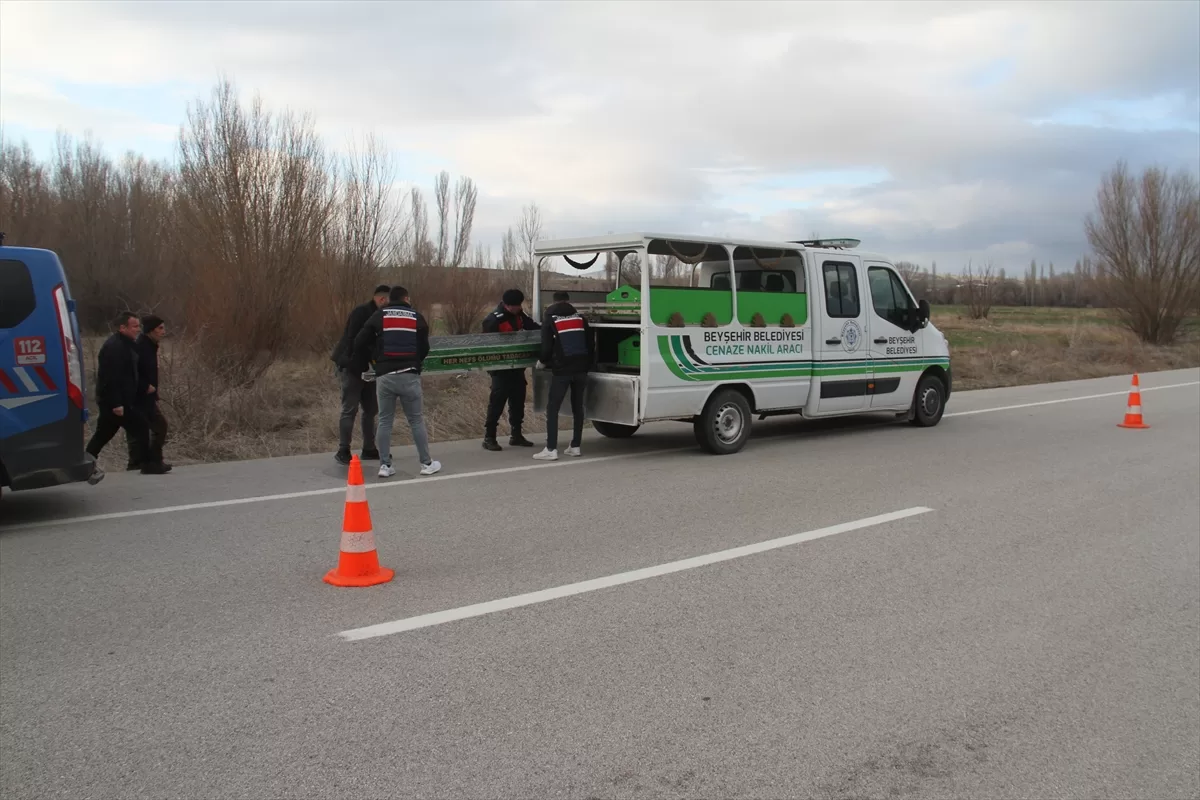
43,412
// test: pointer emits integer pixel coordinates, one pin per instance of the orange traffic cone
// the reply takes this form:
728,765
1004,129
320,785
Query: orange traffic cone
358,563
1133,414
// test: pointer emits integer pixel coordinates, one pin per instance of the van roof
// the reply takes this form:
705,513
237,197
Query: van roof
613,241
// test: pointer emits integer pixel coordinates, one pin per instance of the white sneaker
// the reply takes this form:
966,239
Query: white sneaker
547,455
386,470
432,468
574,451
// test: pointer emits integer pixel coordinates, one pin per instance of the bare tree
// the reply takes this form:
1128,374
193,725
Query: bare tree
27,204
368,227
530,231
631,270
510,254
441,200
254,204
468,297
978,290
465,196
1146,237
666,268
914,276
422,250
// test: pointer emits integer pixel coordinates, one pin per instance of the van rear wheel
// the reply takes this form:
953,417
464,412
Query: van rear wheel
724,425
613,430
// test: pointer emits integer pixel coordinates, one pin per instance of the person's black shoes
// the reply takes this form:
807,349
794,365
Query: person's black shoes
517,440
369,455
156,469
490,443
343,456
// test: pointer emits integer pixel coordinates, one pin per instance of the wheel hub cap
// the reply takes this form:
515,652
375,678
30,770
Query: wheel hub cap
728,423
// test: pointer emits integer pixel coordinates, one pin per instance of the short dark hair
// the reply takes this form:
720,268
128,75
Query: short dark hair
122,319
397,294
513,297
561,297
382,288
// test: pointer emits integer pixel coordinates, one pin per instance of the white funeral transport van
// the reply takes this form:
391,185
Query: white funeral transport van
738,329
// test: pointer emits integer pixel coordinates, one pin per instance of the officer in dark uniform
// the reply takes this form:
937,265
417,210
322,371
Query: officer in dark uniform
569,351
508,385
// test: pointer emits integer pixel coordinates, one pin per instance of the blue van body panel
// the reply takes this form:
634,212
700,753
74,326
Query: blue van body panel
41,431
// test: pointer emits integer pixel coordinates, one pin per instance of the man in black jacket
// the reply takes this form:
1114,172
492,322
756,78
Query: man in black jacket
508,385
153,331
568,350
356,391
396,340
116,393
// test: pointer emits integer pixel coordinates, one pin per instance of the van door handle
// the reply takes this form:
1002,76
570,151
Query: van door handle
833,341
881,341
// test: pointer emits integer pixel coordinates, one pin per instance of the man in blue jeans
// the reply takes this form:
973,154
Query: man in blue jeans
397,337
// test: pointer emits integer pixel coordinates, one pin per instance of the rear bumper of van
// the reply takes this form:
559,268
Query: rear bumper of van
49,455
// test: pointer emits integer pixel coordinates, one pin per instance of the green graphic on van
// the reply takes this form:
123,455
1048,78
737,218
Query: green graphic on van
679,354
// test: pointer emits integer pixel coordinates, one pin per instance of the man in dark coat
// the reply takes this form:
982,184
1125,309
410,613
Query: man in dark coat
355,391
154,329
508,385
116,393
569,351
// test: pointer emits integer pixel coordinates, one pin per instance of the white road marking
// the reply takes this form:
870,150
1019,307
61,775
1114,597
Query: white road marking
485,472
542,596
142,512
1067,400
20,372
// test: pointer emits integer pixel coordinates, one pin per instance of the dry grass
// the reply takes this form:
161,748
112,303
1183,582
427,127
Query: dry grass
1024,345
293,408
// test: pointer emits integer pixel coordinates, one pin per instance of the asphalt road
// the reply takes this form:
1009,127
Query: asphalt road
1030,629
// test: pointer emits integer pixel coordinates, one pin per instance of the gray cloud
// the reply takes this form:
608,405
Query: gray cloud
674,115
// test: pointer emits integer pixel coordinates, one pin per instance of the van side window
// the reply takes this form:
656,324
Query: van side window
841,289
888,295
17,299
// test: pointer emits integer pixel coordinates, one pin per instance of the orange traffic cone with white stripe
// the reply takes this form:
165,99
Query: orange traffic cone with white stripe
1133,413
358,563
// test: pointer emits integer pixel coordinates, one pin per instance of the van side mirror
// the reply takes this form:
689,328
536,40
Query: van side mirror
923,311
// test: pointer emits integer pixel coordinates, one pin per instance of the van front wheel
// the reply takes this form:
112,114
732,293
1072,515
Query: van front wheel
724,425
929,402
614,431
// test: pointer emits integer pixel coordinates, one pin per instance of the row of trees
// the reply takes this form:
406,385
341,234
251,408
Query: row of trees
1039,285
1145,234
260,239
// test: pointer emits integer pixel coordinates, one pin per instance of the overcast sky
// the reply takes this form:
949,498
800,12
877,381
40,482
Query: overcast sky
931,131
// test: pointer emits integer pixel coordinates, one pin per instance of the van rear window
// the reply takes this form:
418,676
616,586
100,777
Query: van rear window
17,300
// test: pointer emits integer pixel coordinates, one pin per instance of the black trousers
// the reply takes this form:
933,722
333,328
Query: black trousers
136,426
158,438
355,393
508,388
559,384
